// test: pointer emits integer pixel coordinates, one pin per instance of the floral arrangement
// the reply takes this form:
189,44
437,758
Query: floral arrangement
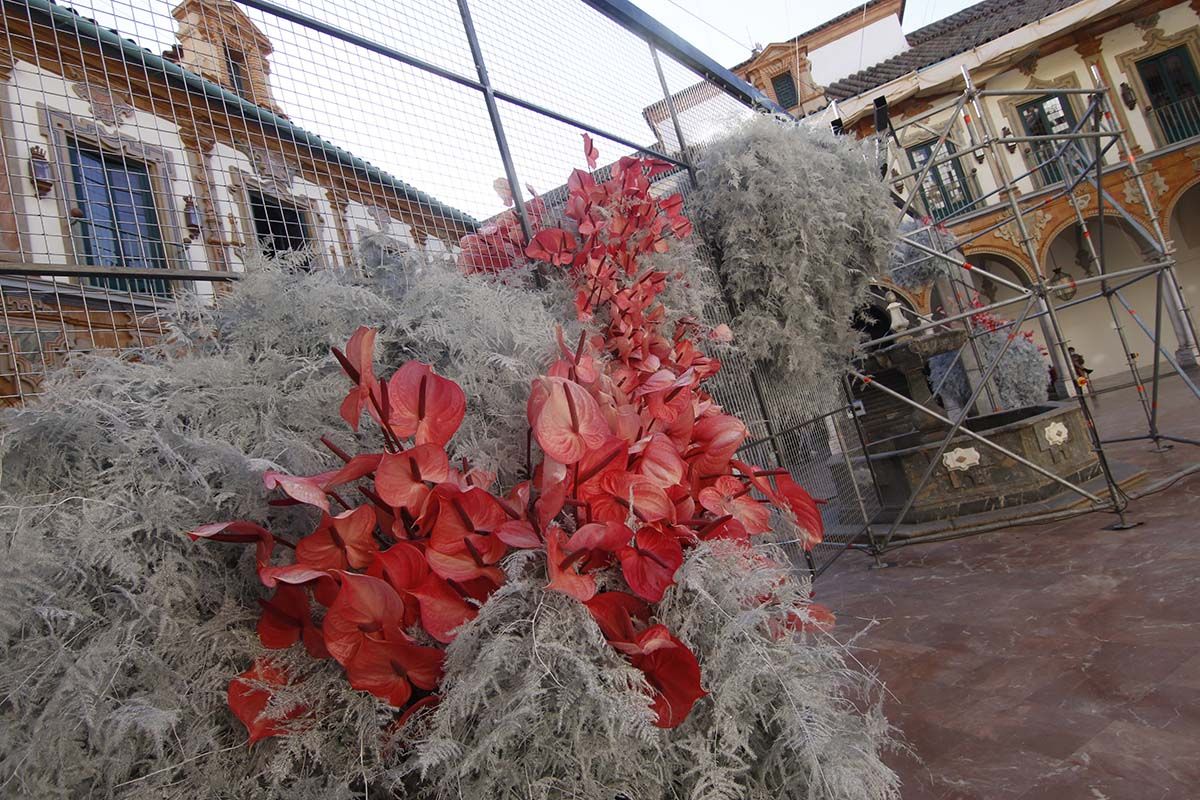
1022,377
423,635
638,465
799,224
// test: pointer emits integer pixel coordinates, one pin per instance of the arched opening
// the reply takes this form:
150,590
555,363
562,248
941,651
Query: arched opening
1185,231
1089,326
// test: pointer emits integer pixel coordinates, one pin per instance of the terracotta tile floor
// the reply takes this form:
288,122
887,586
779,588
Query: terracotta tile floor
1046,663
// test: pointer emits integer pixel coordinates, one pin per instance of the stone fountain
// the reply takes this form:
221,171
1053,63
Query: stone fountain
971,478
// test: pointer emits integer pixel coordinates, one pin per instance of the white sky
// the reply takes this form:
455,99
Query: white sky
557,53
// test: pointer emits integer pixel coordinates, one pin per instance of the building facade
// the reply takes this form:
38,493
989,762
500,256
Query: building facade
116,162
1148,52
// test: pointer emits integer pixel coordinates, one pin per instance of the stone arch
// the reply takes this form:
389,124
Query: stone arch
1182,226
1090,325
1169,203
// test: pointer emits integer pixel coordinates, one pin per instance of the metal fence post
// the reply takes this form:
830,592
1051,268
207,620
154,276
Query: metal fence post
489,98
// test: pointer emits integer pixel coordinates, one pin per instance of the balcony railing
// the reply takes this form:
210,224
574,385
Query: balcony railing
1179,120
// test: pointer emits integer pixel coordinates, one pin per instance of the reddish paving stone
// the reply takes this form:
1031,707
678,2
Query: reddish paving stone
1053,662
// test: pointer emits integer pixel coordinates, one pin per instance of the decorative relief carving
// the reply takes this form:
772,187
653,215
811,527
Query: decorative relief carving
273,169
107,106
961,459
1034,223
1056,433
1156,187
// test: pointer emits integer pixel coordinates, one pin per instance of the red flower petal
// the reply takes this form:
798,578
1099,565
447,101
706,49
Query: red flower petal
553,245
248,701
649,564
341,542
590,152
284,617
366,610
305,490
461,544
390,669
608,537
626,495
401,478
425,405
659,461
443,610
615,612
360,351
728,495
240,532
561,566
717,437
673,673
519,534
566,419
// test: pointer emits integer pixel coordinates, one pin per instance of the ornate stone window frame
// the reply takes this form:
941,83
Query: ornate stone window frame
60,126
1155,42
928,133
276,184
1008,108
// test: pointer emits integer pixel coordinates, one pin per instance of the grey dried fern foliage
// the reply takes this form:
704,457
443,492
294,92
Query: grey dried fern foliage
799,222
118,635
537,706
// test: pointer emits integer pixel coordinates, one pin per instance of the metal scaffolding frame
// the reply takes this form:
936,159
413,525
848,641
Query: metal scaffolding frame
1079,156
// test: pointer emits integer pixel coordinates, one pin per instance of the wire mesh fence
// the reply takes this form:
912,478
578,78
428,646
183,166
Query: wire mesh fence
152,150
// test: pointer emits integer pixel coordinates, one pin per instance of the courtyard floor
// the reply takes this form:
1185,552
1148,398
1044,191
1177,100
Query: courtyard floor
1056,662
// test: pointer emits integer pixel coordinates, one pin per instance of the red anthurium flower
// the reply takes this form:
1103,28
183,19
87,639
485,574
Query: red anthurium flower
673,673
625,496
589,151
553,245
443,610
357,467
814,617
367,610
483,253
804,507
566,419
608,537
725,527
462,544
342,542
672,206
659,461
286,619
562,566
615,613
240,532
717,438
609,457
429,701
401,479
424,405
390,669
357,363
304,490
649,564
519,534
323,584
403,566
730,496
248,700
